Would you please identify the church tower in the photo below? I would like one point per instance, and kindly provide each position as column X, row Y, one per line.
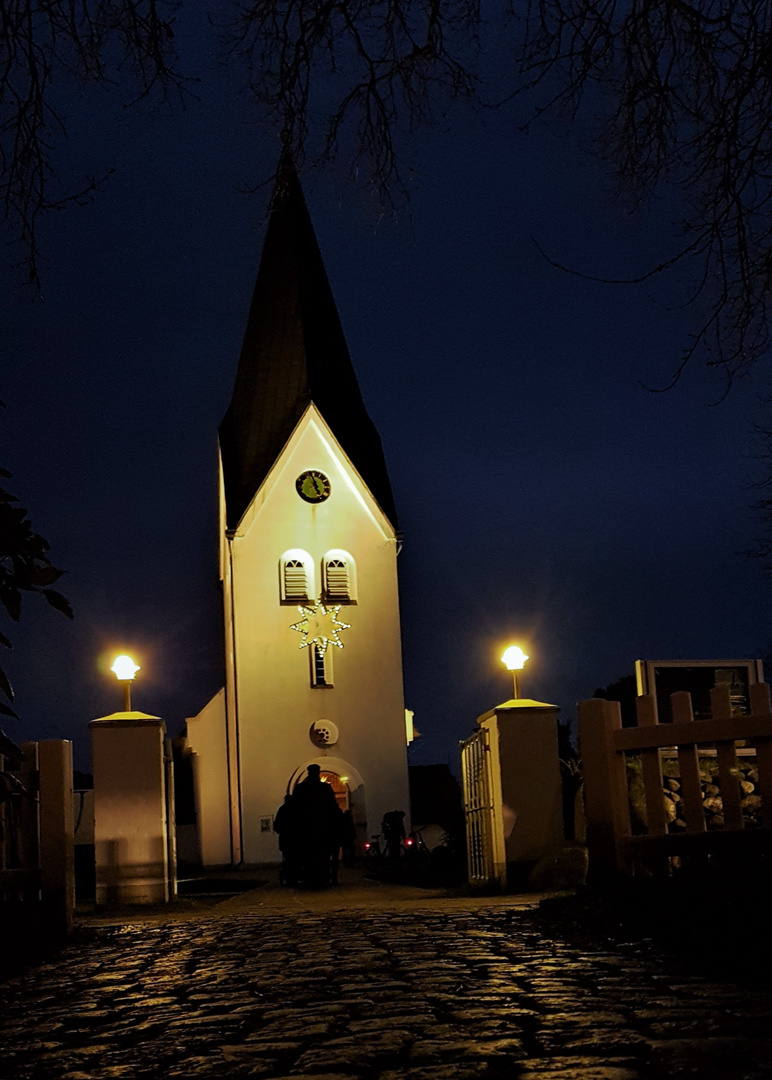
column 308, row 562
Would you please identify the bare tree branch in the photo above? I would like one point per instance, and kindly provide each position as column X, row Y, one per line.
column 691, row 88
column 356, row 70
column 88, row 39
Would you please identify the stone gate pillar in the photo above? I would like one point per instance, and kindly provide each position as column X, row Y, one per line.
column 526, row 783
column 133, row 810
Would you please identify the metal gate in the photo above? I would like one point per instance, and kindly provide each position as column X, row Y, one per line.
column 478, row 807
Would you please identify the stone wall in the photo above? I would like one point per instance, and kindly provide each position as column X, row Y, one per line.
column 711, row 793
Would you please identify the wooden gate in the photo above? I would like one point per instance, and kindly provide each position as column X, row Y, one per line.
column 478, row 807
column 604, row 745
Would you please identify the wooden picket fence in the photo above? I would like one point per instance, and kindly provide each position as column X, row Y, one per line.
column 604, row 745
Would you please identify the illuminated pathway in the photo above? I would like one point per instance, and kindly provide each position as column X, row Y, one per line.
column 432, row 993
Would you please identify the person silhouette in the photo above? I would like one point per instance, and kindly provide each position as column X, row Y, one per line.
column 318, row 820
column 285, row 825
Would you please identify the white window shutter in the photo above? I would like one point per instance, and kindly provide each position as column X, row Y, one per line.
column 337, row 584
column 295, row 580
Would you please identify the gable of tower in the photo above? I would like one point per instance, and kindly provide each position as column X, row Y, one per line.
column 294, row 353
column 313, row 446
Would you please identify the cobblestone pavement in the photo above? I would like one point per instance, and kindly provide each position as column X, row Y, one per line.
column 426, row 994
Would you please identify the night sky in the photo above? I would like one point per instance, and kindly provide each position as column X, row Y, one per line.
column 546, row 496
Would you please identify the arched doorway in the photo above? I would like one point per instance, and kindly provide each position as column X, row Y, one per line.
column 348, row 782
column 339, row 786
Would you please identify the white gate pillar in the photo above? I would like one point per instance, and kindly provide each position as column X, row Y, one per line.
column 133, row 811
column 526, row 784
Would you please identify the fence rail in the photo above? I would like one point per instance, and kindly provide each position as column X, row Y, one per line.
column 605, row 745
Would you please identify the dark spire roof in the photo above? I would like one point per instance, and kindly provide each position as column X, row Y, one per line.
column 294, row 352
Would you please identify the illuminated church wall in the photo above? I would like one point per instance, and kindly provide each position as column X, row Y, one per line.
column 276, row 703
column 289, row 497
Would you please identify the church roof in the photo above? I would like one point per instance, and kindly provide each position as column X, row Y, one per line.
column 294, row 353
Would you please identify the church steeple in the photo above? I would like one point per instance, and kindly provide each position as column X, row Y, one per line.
column 294, row 353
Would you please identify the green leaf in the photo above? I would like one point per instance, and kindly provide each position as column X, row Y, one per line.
column 56, row 600
column 45, row 575
column 5, row 685
column 10, row 598
column 9, row 749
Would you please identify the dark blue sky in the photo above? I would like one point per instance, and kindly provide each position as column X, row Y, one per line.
column 545, row 495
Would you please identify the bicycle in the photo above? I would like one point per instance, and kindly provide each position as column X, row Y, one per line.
column 373, row 849
column 415, row 846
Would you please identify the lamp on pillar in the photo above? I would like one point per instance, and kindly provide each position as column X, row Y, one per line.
column 125, row 669
column 134, row 850
column 514, row 659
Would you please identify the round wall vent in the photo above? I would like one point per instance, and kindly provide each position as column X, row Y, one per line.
column 324, row 733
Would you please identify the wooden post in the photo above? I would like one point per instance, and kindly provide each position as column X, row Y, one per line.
column 57, row 833
column 726, row 753
column 605, row 787
column 646, row 707
column 28, row 824
column 689, row 766
column 760, row 706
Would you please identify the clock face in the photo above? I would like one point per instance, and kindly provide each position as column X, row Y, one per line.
column 313, row 486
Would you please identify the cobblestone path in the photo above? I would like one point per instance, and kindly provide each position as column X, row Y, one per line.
column 423, row 995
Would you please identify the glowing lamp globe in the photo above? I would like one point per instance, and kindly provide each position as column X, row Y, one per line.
column 514, row 658
column 125, row 669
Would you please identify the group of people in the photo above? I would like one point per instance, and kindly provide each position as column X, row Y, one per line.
column 312, row 830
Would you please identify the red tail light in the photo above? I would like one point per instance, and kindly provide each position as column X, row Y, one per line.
column 408, row 843
column 367, row 847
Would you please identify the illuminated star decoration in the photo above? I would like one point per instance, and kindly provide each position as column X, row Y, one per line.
column 320, row 626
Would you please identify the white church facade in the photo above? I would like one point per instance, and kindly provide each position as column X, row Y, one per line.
column 308, row 563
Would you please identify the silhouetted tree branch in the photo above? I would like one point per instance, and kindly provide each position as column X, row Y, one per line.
column 691, row 90
column 687, row 86
column 356, row 71
column 45, row 40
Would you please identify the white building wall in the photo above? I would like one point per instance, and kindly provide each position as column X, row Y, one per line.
column 275, row 702
column 207, row 739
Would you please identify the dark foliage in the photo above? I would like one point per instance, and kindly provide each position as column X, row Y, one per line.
column 624, row 691
column 24, row 568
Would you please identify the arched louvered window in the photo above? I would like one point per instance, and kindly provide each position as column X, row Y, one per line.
column 295, row 580
column 337, row 580
column 297, row 585
column 339, row 576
